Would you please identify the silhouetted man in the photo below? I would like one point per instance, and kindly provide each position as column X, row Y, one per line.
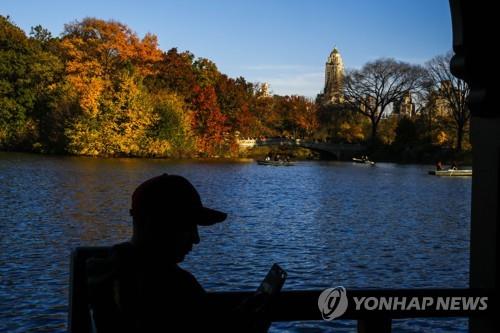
column 140, row 288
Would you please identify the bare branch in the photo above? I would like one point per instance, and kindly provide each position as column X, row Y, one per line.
column 450, row 89
column 380, row 83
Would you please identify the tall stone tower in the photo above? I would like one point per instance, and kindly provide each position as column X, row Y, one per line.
column 334, row 79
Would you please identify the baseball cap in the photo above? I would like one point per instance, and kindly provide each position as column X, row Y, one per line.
column 175, row 197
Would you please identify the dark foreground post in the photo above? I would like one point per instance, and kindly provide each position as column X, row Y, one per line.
column 375, row 325
column 473, row 62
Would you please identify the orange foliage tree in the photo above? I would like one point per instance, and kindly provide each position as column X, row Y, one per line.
column 174, row 73
column 103, row 60
column 208, row 122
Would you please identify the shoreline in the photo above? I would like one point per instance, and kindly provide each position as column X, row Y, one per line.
column 250, row 158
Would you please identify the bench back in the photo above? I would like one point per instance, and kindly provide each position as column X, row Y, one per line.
column 78, row 313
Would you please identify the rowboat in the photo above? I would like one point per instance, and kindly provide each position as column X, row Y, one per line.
column 451, row 173
column 274, row 163
column 363, row 161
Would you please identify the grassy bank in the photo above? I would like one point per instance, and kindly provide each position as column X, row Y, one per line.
column 419, row 155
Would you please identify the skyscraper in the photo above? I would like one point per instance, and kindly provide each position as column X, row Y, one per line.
column 334, row 80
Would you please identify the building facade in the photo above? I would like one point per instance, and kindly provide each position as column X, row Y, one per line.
column 334, row 80
column 263, row 91
column 405, row 107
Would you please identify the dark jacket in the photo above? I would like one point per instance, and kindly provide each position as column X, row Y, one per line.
column 127, row 294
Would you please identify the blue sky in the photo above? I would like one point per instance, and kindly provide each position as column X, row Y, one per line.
column 282, row 42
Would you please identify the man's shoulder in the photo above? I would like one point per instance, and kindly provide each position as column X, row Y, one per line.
column 188, row 280
column 182, row 273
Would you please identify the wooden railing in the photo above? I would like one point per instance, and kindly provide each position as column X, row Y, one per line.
column 298, row 305
column 303, row 305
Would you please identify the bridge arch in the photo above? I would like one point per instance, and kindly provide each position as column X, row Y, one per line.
column 336, row 150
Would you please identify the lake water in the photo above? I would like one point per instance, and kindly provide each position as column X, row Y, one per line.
column 326, row 223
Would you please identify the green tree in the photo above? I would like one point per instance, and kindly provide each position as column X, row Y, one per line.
column 174, row 124
column 48, row 71
column 17, row 96
column 206, row 72
column 28, row 74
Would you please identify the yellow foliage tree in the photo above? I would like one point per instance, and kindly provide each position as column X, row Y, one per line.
column 351, row 133
column 105, row 64
column 442, row 138
column 120, row 128
column 174, row 124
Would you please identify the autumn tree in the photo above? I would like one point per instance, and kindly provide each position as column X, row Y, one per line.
column 105, row 65
column 108, row 47
column 206, row 72
column 265, row 117
column 339, row 123
column 208, row 123
column 174, row 73
column 350, row 132
column 452, row 92
column 235, row 97
column 295, row 116
column 173, row 128
column 98, row 52
column 304, row 116
column 121, row 126
column 373, row 88
column 100, row 89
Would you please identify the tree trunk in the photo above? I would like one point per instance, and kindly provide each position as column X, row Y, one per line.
column 460, row 136
column 373, row 138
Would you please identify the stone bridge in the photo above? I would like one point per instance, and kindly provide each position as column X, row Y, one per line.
column 338, row 150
